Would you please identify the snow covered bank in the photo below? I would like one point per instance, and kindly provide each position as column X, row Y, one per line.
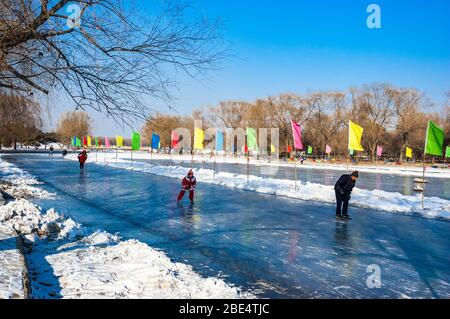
column 390, row 169
column 12, row 266
column 374, row 199
column 67, row 260
column 19, row 183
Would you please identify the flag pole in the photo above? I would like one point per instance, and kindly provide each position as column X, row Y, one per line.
column 214, row 169
column 295, row 172
column 423, row 180
column 117, row 153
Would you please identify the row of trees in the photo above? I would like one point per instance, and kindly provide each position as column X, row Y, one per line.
column 393, row 118
column 21, row 123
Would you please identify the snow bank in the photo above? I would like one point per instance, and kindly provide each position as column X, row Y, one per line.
column 19, row 183
column 390, row 169
column 67, row 260
column 12, row 270
column 374, row 199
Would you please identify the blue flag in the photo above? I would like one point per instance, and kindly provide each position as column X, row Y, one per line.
column 74, row 141
column 219, row 141
column 156, row 141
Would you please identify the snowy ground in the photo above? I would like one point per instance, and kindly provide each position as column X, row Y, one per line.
column 391, row 169
column 375, row 199
column 67, row 260
column 12, row 269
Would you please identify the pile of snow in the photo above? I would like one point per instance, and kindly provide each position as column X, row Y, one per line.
column 390, row 169
column 435, row 207
column 67, row 260
column 19, row 183
column 13, row 269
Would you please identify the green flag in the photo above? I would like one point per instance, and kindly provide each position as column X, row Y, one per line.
column 136, row 141
column 310, row 150
column 447, row 152
column 434, row 144
column 251, row 139
column 96, row 141
column 78, row 142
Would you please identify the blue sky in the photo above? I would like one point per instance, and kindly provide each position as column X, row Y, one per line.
column 301, row 46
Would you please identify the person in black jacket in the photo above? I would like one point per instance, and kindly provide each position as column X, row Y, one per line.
column 343, row 189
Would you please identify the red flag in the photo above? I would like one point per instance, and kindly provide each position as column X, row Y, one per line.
column 175, row 139
column 246, row 148
column 85, row 141
column 289, row 149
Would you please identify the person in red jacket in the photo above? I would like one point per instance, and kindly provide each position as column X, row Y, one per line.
column 82, row 157
column 188, row 184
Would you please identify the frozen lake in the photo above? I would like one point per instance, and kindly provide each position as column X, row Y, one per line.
column 277, row 247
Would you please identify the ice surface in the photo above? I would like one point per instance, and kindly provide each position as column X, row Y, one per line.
column 374, row 199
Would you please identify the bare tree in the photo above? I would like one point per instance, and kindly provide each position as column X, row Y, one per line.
column 73, row 124
column 102, row 53
column 374, row 108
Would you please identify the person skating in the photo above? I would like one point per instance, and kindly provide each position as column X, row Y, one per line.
column 343, row 190
column 51, row 151
column 188, row 184
column 64, row 153
column 82, row 157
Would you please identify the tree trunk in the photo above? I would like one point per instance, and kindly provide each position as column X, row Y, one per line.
column 402, row 152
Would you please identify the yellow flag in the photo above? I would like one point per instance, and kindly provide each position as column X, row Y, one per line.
column 409, row 152
column 89, row 141
column 354, row 137
column 119, row 141
column 199, row 136
column 272, row 148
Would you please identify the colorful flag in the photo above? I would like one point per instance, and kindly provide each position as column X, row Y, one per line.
column 74, row 141
column 434, row 143
column 107, row 142
column 409, row 152
column 219, row 141
column 355, row 133
column 136, row 141
column 199, row 136
column 447, row 152
column 89, row 141
column 78, row 142
column 119, row 141
column 96, row 142
column 85, row 141
column 251, row 138
column 297, row 133
column 379, row 151
column 351, row 152
column 289, row 149
column 272, row 149
column 175, row 139
column 328, row 149
column 99, row 142
column 155, row 141
column 310, row 150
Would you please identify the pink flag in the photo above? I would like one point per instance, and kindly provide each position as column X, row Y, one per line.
column 107, row 142
column 379, row 151
column 328, row 149
column 297, row 133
